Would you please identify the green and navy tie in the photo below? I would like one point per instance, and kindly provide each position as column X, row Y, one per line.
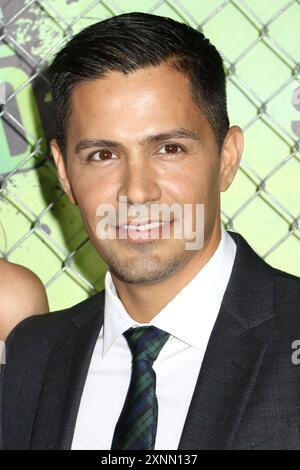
column 137, row 424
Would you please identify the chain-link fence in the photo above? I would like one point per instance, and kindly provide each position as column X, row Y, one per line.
column 260, row 43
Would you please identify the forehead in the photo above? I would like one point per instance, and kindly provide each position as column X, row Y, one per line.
column 153, row 96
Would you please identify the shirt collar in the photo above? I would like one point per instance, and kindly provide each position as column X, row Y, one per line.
column 202, row 295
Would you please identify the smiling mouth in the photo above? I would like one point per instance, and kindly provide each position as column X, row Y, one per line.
column 142, row 232
column 142, row 227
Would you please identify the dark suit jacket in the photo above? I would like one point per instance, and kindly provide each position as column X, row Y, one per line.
column 248, row 391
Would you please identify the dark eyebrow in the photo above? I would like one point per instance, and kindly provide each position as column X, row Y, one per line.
column 179, row 133
column 92, row 143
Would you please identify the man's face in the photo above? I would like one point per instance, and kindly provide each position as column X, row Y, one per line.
column 141, row 154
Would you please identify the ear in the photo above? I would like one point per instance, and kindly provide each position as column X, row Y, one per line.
column 230, row 156
column 62, row 172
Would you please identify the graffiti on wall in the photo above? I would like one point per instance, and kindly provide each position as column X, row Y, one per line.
column 25, row 102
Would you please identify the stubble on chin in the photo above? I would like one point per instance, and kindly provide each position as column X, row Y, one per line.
column 143, row 267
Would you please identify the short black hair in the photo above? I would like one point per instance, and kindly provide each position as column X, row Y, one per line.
column 131, row 41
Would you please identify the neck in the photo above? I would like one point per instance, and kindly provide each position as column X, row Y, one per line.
column 144, row 301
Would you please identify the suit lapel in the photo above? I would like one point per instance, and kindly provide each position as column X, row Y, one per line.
column 229, row 370
column 88, row 335
column 234, row 354
column 63, row 383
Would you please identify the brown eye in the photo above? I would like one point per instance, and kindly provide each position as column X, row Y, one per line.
column 103, row 155
column 171, row 149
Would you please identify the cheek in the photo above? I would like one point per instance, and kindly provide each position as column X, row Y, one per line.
column 91, row 187
column 197, row 183
column 90, row 191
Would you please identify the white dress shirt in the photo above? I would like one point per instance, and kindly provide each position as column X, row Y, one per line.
column 189, row 318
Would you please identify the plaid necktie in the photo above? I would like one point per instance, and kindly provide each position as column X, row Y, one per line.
column 137, row 424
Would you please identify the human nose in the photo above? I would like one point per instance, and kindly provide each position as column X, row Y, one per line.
column 139, row 183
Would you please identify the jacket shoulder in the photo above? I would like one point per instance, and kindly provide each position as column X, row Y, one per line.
column 287, row 281
column 287, row 291
column 285, row 276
